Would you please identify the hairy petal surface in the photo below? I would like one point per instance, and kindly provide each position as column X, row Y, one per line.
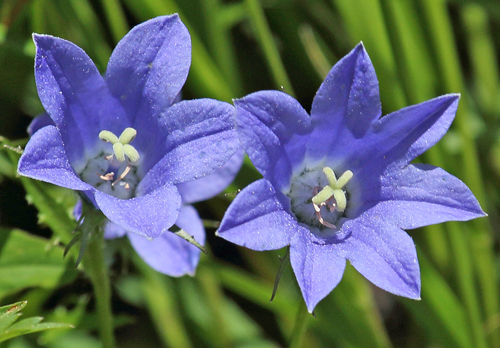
column 201, row 139
column 213, row 184
column 383, row 254
column 44, row 159
column 345, row 104
column 273, row 128
column 257, row 220
column 148, row 215
column 168, row 253
column 74, row 94
column 318, row 266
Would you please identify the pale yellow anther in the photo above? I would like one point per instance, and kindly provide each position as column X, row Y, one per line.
column 340, row 198
column 121, row 146
column 333, row 189
column 344, row 179
column 325, row 194
column 330, row 175
column 121, row 151
column 131, row 153
column 127, row 135
column 108, row 136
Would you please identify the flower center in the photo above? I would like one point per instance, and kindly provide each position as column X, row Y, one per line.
column 318, row 198
column 115, row 173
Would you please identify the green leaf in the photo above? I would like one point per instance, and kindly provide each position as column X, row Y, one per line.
column 9, row 329
column 439, row 313
column 28, row 261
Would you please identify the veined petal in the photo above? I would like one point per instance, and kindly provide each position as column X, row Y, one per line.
column 273, row 128
column 148, row 69
column 318, row 266
column 74, row 94
column 168, row 253
column 420, row 195
column 257, row 220
column 149, row 215
column 44, row 158
column 345, row 104
column 200, row 140
column 212, row 184
column 383, row 254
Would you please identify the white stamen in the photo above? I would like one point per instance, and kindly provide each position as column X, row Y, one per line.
column 122, row 175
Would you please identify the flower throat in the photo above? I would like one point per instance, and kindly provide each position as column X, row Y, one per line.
column 318, row 198
column 115, row 173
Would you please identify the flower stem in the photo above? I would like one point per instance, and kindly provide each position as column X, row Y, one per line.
column 299, row 328
column 97, row 271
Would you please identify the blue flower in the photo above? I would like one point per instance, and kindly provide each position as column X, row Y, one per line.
column 120, row 140
column 168, row 253
column 338, row 184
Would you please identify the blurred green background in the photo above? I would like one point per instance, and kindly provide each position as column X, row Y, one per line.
column 420, row 49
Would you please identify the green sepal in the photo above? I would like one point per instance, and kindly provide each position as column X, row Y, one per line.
column 89, row 224
column 190, row 239
column 283, row 263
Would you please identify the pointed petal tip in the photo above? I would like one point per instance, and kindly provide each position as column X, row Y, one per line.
column 360, row 46
column 451, row 96
column 416, row 296
column 41, row 39
column 360, row 49
column 37, row 36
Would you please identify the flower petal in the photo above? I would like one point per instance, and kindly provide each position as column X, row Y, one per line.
column 383, row 254
column 200, row 140
column 44, row 158
column 39, row 122
column 345, row 104
column 112, row 230
column 148, row 69
column 74, row 94
column 420, row 195
column 212, row 184
column 168, row 253
column 149, row 215
column 409, row 132
column 270, row 125
column 399, row 137
column 257, row 220
column 318, row 266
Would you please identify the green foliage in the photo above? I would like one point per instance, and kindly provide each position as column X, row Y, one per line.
column 30, row 261
column 10, row 327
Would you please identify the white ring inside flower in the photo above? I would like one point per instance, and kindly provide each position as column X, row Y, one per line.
column 318, row 198
column 115, row 173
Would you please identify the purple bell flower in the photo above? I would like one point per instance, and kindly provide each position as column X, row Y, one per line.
column 122, row 142
column 338, row 184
